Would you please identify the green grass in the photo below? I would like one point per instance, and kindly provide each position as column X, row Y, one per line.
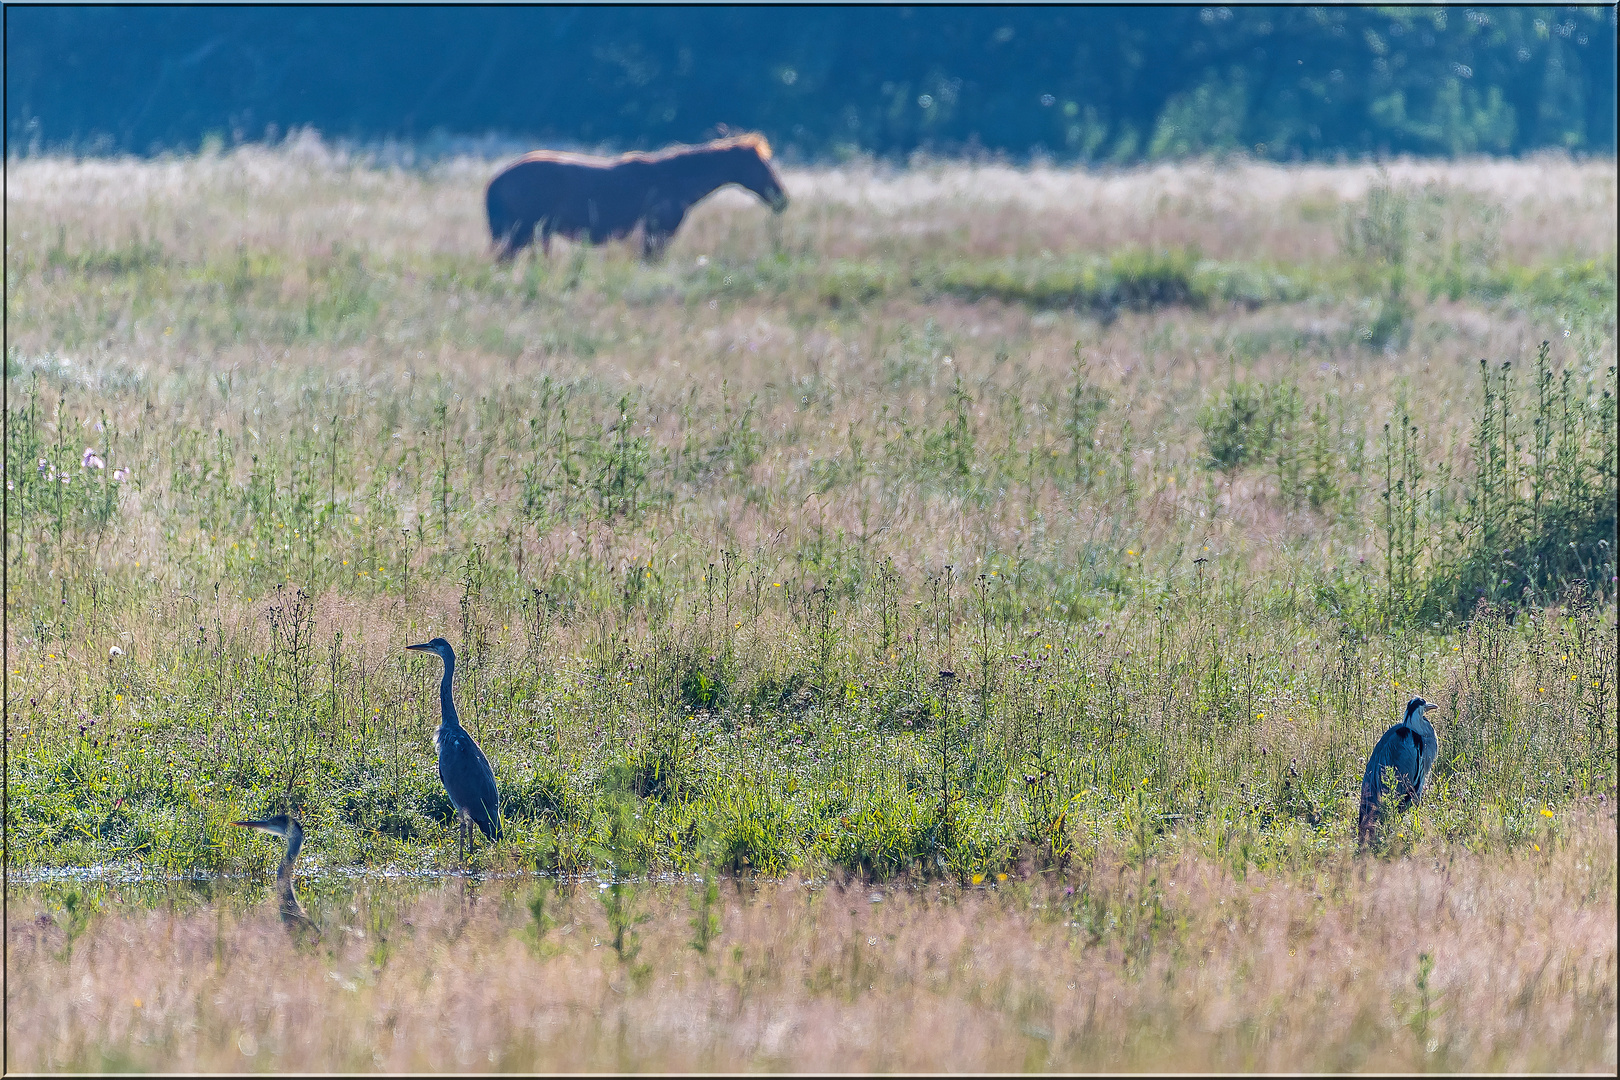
column 705, row 535
column 346, row 295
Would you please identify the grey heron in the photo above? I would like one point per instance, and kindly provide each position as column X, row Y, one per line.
column 286, row 826
column 463, row 768
column 1410, row 748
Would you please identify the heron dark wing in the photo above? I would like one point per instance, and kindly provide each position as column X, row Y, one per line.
column 1408, row 758
column 1402, row 749
column 1383, row 755
column 470, row 782
column 1428, row 749
column 1389, row 751
column 489, row 819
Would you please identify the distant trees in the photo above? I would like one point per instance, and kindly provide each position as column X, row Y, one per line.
column 1094, row 84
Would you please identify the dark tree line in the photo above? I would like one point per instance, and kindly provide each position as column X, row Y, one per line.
column 1093, row 84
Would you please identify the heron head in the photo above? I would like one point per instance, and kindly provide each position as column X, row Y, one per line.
column 437, row 645
column 1417, row 708
column 280, row 825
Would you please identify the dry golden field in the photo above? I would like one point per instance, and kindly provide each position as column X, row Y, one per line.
column 1443, row 961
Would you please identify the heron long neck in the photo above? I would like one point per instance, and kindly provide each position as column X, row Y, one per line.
column 1420, row 724
column 447, row 707
column 295, row 844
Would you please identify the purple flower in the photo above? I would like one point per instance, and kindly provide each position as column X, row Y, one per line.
column 92, row 460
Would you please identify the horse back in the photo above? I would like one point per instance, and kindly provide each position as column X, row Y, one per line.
column 570, row 196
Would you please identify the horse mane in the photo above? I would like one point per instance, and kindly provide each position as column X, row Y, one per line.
column 752, row 139
column 760, row 143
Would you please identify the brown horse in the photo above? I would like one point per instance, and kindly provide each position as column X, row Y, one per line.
column 577, row 195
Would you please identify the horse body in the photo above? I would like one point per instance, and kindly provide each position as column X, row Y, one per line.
column 576, row 195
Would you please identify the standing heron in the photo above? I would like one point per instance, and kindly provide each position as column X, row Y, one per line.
column 1410, row 748
column 463, row 768
column 284, row 825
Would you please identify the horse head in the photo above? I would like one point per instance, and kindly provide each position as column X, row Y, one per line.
column 752, row 154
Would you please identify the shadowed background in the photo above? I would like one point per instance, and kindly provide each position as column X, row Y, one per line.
column 1120, row 84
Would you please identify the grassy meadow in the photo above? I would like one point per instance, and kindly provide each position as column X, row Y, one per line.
column 1188, row 476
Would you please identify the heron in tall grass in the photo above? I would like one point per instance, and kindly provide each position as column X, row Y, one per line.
column 287, row 827
column 463, row 768
column 1409, row 748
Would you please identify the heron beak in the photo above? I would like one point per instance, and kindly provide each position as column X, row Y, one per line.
column 261, row 826
column 421, row 648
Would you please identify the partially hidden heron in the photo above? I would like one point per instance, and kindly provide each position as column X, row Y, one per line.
column 286, row 826
column 463, row 768
column 1410, row 748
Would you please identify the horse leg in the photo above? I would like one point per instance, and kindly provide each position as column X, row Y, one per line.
column 512, row 240
column 653, row 244
column 658, row 229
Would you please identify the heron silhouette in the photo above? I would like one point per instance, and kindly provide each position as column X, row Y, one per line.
column 463, row 768
column 287, row 827
column 1410, row 748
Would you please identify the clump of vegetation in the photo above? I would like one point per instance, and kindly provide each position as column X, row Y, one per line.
column 1133, row 280
column 1533, row 519
column 1246, row 422
column 1377, row 238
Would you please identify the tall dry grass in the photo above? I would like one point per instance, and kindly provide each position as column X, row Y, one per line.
column 309, row 193
column 1448, row 960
